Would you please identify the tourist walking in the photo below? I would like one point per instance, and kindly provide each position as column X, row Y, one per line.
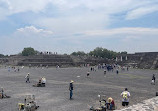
column 71, row 89
column 9, row 69
column 2, row 92
column 27, row 78
column 125, row 97
column 153, row 79
column 88, row 73
column 117, row 71
column 127, row 68
column 18, row 69
column 104, row 72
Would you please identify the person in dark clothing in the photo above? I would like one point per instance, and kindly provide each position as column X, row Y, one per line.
column 91, row 68
column 153, row 79
column 104, row 72
column 27, row 78
column 71, row 89
column 88, row 73
column 2, row 92
column 127, row 68
column 18, row 69
column 117, row 71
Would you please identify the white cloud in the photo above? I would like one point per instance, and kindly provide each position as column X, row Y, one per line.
column 33, row 31
column 128, row 30
column 74, row 24
column 60, row 20
column 9, row 7
column 125, row 34
column 79, row 15
column 28, row 36
column 120, row 39
column 131, row 38
column 17, row 6
column 139, row 12
column 106, row 6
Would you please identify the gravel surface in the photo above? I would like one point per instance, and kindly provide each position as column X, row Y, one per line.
column 55, row 96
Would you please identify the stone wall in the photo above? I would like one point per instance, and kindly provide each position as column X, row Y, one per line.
column 147, row 60
column 11, row 60
column 52, row 60
column 44, row 60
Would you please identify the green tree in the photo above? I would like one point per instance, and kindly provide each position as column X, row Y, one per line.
column 102, row 52
column 81, row 53
column 28, row 51
column 1, row 55
column 124, row 52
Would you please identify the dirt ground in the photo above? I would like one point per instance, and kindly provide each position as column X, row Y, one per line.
column 55, row 96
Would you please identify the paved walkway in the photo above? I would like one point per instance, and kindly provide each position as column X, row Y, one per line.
column 147, row 105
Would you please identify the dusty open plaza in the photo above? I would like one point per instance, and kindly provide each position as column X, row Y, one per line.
column 55, row 96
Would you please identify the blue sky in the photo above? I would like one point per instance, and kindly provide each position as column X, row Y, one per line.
column 65, row 26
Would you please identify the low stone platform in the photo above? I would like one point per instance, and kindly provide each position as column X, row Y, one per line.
column 146, row 105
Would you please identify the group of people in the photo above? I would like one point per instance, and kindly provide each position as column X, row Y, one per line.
column 110, row 104
column 41, row 82
column 107, row 68
column 93, row 69
column 13, row 68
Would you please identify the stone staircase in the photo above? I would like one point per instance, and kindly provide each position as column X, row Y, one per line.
column 155, row 63
column 50, row 60
column 146, row 60
column 78, row 60
column 149, row 61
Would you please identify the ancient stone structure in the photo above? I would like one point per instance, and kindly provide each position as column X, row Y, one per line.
column 52, row 60
column 78, row 60
column 147, row 60
column 11, row 60
column 44, row 60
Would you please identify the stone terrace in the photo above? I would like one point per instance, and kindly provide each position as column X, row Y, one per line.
column 146, row 60
column 50, row 60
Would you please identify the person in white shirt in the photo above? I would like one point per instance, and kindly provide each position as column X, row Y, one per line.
column 27, row 78
column 43, row 80
column 125, row 97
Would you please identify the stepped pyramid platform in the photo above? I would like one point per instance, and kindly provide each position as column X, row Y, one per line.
column 44, row 60
column 144, row 60
column 51, row 60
